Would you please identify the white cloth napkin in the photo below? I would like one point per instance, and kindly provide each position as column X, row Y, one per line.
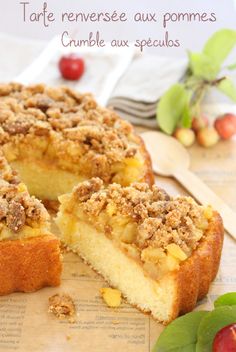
column 139, row 89
column 130, row 83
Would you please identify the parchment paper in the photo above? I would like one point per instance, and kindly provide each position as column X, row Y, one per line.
column 26, row 325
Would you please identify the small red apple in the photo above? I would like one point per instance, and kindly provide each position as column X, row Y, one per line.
column 226, row 125
column 207, row 137
column 71, row 67
column 231, row 117
column 199, row 122
column 185, row 136
column 225, row 339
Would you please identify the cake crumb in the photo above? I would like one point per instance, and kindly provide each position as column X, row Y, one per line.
column 62, row 306
column 111, row 296
column 72, row 320
column 64, row 248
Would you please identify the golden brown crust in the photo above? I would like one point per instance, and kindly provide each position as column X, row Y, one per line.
column 198, row 271
column 149, row 175
column 29, row 264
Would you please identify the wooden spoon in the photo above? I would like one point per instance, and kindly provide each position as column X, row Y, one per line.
column 170, row 158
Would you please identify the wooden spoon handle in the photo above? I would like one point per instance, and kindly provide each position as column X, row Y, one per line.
column 205, row 195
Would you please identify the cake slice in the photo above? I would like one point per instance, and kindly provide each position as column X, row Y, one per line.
column 56, row 137
column 162, row 253
column 29, row 253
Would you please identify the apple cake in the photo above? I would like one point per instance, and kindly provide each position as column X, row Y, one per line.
column 161, row 252
column 57, row 137
column 29, row 253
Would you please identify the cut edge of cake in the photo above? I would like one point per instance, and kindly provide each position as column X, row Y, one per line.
column 30, row 255
column 174, row 293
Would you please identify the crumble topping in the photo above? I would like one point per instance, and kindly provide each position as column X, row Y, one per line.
column 159, row 219
column 17, row 207
column 75, row 127
column 62, row 306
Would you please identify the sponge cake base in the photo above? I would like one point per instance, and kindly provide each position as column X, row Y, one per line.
column 45, row 181
column 165, row 299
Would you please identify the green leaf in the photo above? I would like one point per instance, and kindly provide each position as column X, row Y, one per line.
column 228, row 299
column 220, row 44
column 211, row 324
column 203, row 66
column 171, row 107
column 228, row 88
column 186, row 118
column 231, row 67
column 181, row 334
